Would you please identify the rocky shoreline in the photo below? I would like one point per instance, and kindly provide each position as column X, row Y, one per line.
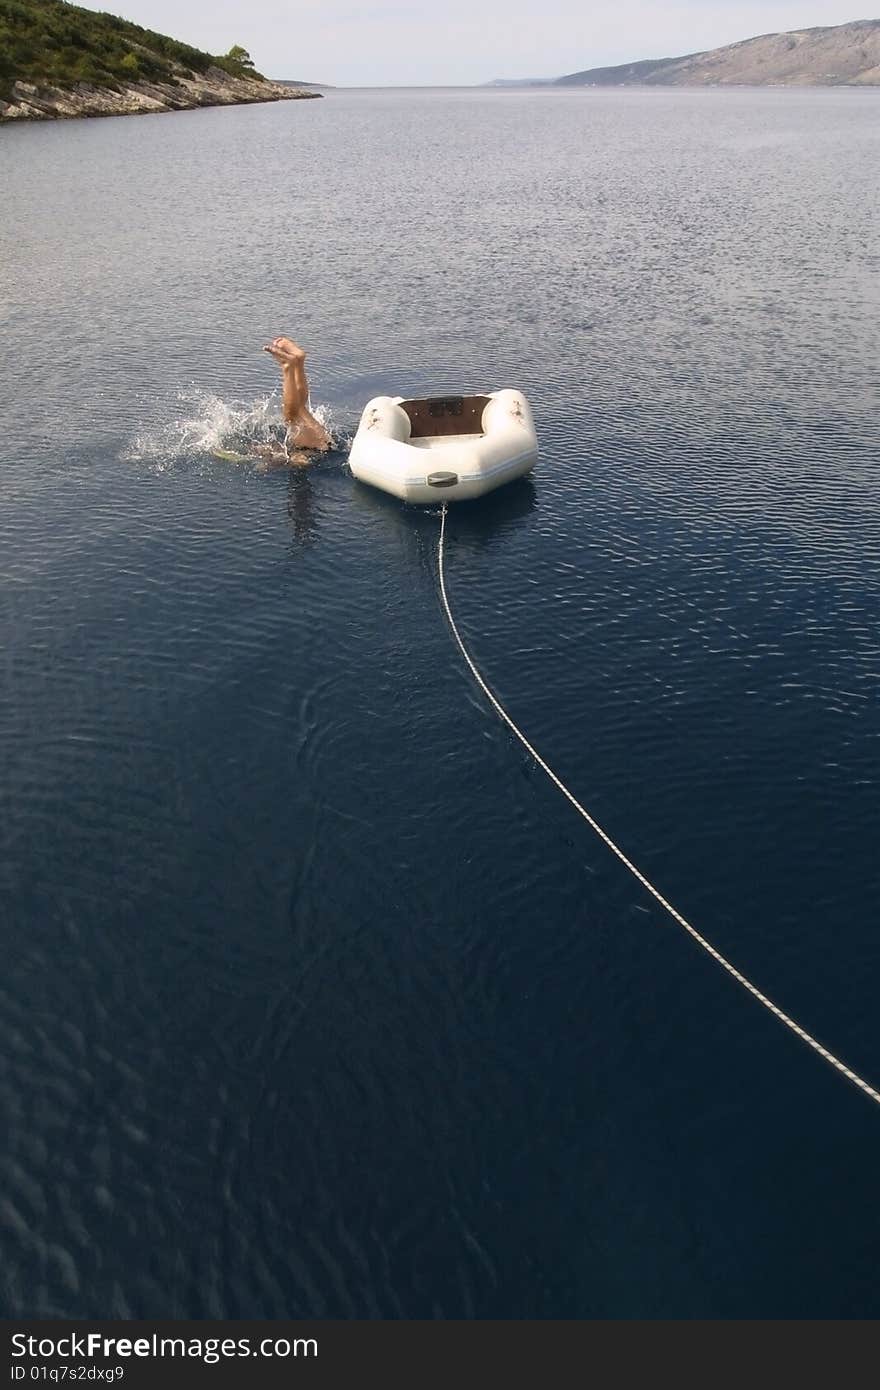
column 214, row 87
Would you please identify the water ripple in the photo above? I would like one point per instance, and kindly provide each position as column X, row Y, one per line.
column 316, row 1001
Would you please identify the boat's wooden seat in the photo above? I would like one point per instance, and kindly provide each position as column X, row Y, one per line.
column 445, row 415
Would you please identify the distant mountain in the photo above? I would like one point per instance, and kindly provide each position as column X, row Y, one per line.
column 311, row 86
column 625, row 75
column 840, row 55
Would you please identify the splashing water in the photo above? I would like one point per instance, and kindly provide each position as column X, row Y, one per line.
column 208, row 426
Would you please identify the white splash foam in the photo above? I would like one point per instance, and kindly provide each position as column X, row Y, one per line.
column 324, row 416
column 209, row 423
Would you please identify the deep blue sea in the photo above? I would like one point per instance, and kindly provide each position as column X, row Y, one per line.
column 317, row 999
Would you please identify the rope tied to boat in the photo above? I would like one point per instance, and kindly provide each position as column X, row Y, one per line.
column 603, row 835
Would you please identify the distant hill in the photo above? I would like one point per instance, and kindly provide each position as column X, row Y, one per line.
column 839, row 55
column 59, row 59
column 625, row 75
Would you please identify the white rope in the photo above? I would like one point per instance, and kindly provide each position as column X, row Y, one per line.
column 615, row 849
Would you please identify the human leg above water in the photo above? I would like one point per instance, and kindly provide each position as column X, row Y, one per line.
column 304, row 431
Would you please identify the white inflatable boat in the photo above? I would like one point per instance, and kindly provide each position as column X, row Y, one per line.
column 448, row 448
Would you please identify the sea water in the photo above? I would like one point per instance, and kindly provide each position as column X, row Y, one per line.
column 317, row 998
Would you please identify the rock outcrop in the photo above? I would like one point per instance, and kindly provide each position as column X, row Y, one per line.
column 214, row 87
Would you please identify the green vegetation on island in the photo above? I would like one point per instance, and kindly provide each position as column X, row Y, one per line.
column 52, row 43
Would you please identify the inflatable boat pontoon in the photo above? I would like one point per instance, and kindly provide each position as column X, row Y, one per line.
column 447, row 448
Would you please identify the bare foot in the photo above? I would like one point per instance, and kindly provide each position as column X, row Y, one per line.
column 285, row 351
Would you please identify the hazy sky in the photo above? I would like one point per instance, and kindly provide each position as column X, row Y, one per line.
column 466, row 41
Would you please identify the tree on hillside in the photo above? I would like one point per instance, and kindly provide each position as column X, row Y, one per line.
column 240, row 55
